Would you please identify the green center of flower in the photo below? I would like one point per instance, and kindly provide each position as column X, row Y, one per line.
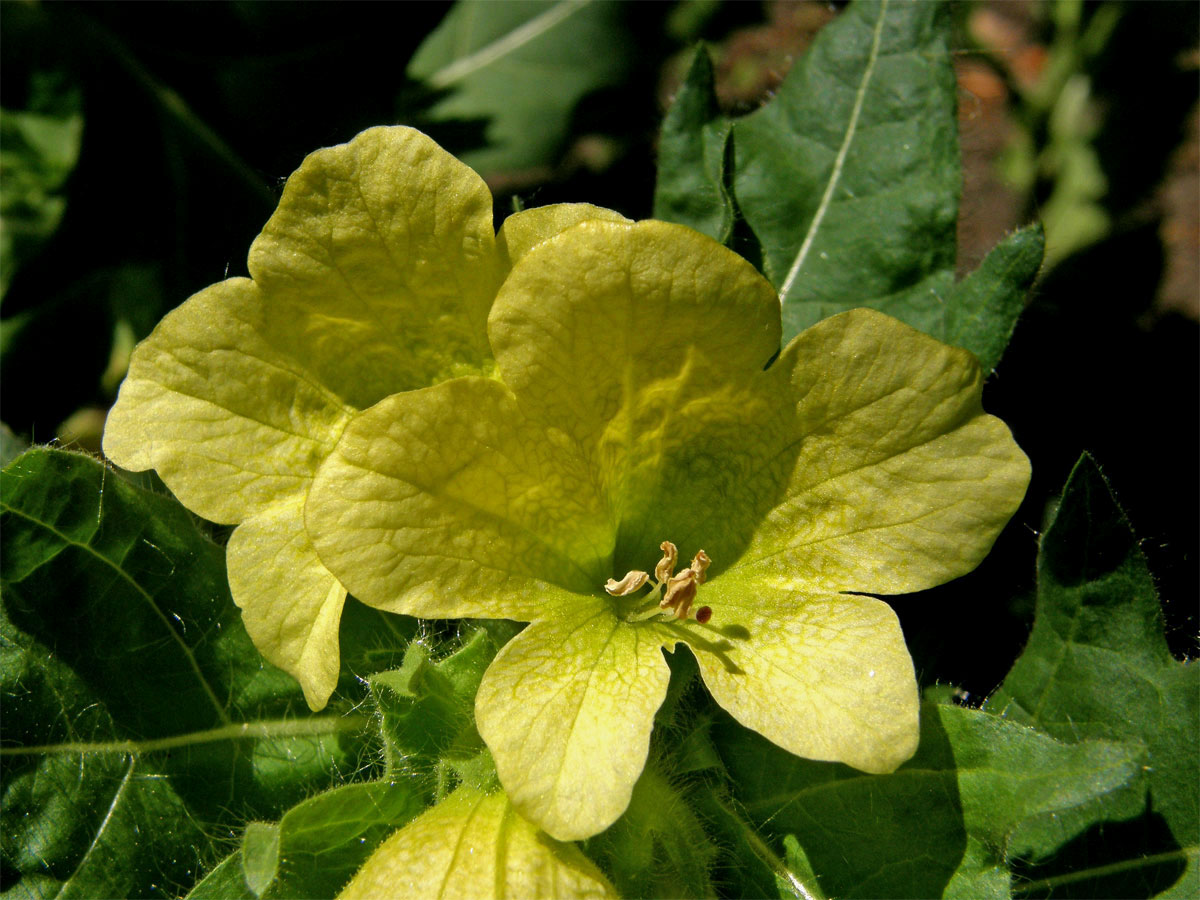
column 670, row 594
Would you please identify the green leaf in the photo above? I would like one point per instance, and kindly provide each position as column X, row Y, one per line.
column 982, row 310
column 316, row 847
column 849, row 180
column 658, row 848
column 226, row 882
column 1097, row 664
column 850, row 177
column 138, row 718
column 427, row 708
column 518, row 68
column 38, row 151
column 979, row 791
column 691, row 188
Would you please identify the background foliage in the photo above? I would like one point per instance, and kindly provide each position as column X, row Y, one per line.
column 147, row 750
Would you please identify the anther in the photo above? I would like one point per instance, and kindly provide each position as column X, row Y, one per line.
column 633, row 581
column 666, row 566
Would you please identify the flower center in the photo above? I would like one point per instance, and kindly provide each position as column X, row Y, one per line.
column 670, row 594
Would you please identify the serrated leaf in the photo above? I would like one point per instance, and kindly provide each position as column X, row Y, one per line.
column 427, row 710
column 1097, row 664
column 691, row 188
column 138, row 717
column 517, row 68
column 977, row 784
column 850, row 177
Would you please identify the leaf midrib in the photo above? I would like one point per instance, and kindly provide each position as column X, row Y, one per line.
column 192, row 662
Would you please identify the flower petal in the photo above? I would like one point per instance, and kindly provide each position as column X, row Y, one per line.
column 567, row 708
column 899, row 481
column 374, row 275
column 291, row 604
column 230, row 422
column 475, row 845
column 448, row 502
column 645, row 344
column 606, row 310
column 824, row 676
column 380, row 265
column 523, row 231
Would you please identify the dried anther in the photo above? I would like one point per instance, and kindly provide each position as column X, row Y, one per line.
column 678, row 591
column 633, row 581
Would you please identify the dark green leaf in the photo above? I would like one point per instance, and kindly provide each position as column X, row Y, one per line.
column 658, row 847
column 519, row 68
column 38, row 151
column 982, row 310
column 138, row 717
column 1097, row 664
column 427, row 711
column 979, row 791
column 691, row 187
column 226, row 882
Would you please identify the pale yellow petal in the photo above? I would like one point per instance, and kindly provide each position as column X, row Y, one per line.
column 449, row 502
column 899, row 481
column 566, row 709
column 291, row 604
column 475, row 847
column 605, row 311
column 523, row 231
column 381, row 265
column 229, row 421
column 826, row 677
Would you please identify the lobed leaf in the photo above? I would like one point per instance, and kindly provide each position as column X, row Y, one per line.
column 1097, row 664
column 981, row 789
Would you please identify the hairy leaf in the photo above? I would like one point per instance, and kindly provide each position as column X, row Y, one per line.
column 691, row 188
column 850, row 177
column 1097, row 666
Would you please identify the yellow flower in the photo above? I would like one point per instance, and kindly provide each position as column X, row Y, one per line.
column 374, row 275
column 636, row 420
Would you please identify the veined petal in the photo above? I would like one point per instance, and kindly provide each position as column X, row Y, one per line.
column 523, row 231
column 605, row 310
column 448, row 502
column 899, row 481
column 567, row 708
column 475, row 846
column 374, row 275
column 645, row 343
column 380, row 265
column 229, row 421
column 824, row 676
column 291, row 604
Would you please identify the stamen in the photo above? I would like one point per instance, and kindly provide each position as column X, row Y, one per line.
column 666, row 566
column 633, row 581
column 681, row 590
column 678, row 591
